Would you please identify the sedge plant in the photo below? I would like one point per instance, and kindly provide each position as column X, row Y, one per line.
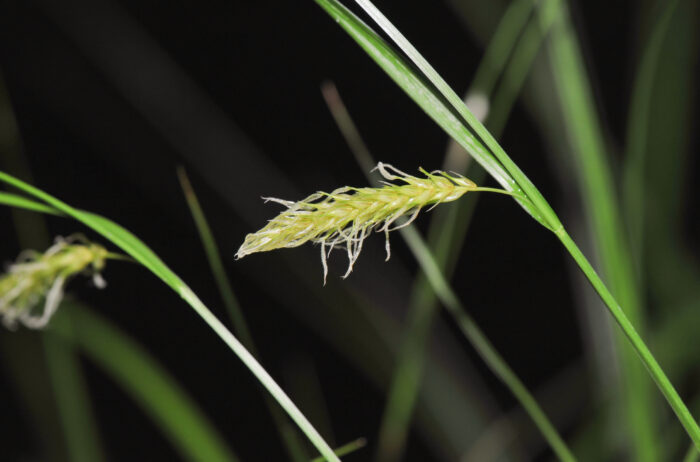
column 425, row 86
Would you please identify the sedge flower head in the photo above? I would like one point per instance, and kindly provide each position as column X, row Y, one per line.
column 346, row 216
column 32, row 288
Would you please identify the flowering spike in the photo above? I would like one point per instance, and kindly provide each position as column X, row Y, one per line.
column 37, row 278
column 346, row 216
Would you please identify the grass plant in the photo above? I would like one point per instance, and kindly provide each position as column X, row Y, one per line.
column 631, row 222
column 494, row 159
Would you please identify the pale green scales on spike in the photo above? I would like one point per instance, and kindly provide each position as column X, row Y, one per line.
column 346, row 216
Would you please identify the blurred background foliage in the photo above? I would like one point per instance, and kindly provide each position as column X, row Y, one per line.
column 596, row 102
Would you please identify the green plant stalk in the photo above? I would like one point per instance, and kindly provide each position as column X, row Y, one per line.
column 402, row 399
column 141, row 253
column 640, row 347
column 406, row 78
column 403, row 388
column 293, row 445
column 151, row 387
column 600, row 202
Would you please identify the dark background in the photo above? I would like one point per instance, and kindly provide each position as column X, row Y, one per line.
column 110, row 97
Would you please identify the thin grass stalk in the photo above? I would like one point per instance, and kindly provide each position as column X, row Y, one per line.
column 141, row 253
column 403, row 387
column 645, row 355
column 291, row 441
column 408, row 372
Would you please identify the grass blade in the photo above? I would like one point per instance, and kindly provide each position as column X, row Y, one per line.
column 155, row 391
column 141, row 253
column 640, row 347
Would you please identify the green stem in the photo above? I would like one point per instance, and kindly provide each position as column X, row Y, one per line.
column 500, row 191
column 638, row 344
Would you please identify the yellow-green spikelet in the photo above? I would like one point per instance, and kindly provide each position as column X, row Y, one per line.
column 344, row 217
column 37, row 277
